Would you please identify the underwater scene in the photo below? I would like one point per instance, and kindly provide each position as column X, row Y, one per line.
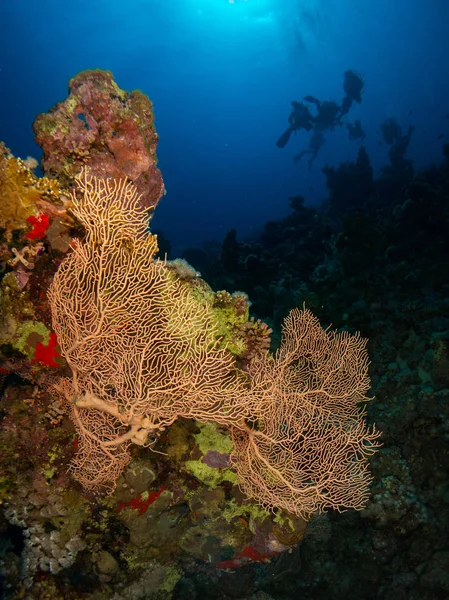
column 224, row 300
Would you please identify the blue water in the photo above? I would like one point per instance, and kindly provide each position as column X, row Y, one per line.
column 221, row 76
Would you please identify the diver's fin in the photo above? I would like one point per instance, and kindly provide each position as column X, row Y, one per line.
column 282, row 141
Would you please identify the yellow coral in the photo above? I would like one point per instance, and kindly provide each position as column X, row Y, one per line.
column 20, row 191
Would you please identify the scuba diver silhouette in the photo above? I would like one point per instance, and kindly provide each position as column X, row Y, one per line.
column 352, row 85
column 328, row 115
column 300, row 118
column 355, row 131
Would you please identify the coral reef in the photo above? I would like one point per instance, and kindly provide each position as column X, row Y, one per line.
column 172, row 509
column 103, row 126
column 178, row 525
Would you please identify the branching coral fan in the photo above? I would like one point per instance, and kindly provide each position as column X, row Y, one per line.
column 308, row 446
column 144, row 351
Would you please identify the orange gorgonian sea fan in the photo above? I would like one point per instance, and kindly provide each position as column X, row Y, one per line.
column 142, row 349
column 307, row 446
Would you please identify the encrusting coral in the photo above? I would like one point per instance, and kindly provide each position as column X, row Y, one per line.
column 102, row 126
